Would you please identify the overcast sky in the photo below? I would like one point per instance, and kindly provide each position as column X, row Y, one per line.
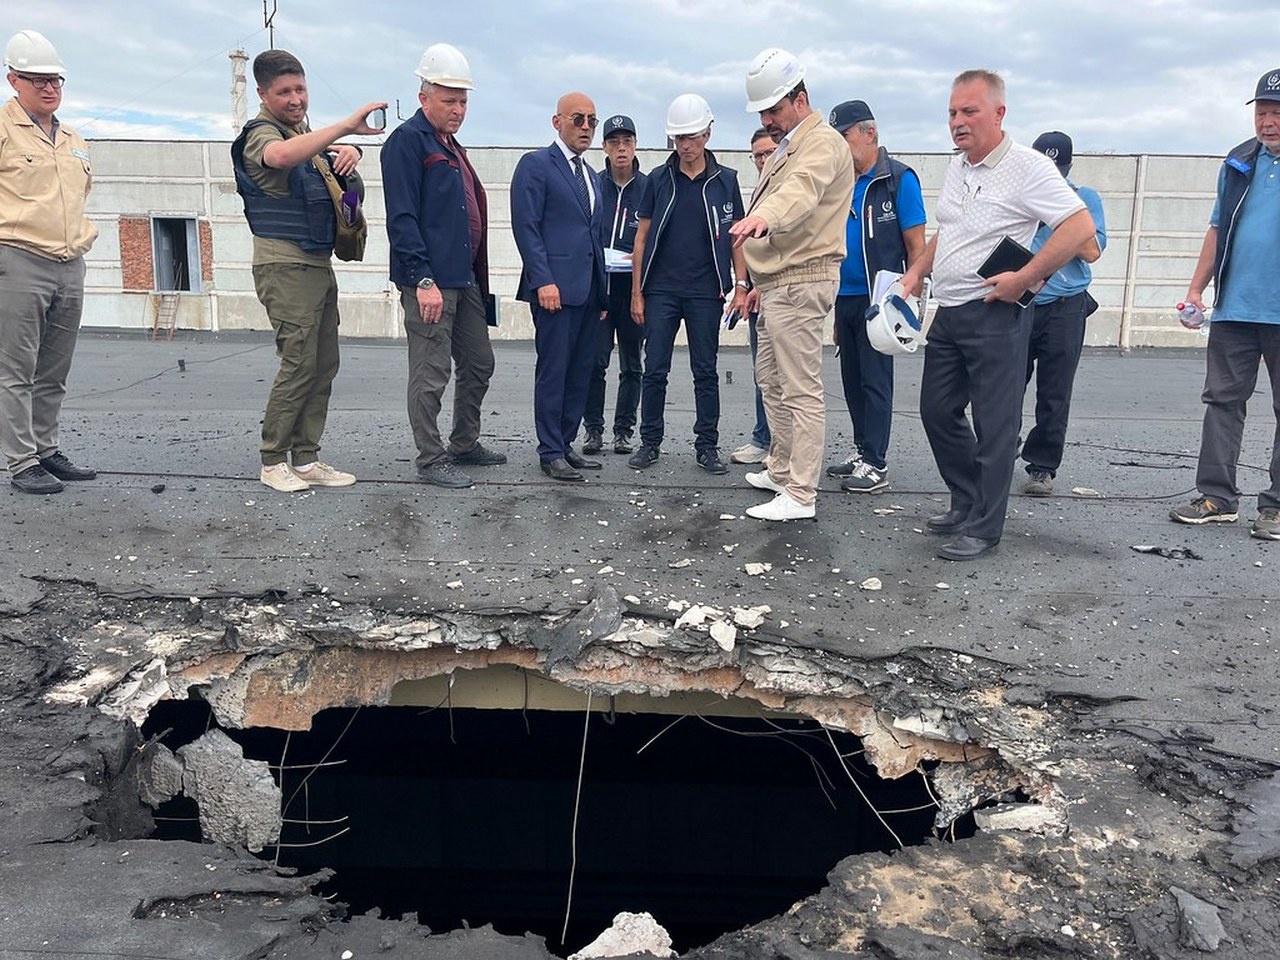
column 1124, row 76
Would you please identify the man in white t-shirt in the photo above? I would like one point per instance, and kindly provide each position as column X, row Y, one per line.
column 977, row 348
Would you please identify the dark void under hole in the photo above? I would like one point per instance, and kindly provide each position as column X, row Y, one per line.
column 466, row 815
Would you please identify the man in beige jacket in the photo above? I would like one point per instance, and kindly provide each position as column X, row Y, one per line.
column 794, row 239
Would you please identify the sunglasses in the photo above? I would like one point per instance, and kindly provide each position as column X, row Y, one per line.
column 41, row 82
column 588, row 120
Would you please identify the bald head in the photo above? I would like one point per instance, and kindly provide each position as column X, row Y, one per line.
column 575, row 121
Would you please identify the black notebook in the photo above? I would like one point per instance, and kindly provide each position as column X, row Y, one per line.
column 1008, row 256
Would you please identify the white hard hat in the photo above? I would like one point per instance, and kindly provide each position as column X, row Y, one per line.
column 30, row 52
column 894, row 326
column 688, row 114
column 772, row 75
column 444, row 64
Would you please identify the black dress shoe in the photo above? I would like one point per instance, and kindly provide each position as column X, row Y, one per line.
column 581, row 463
column 560, row 470
column 36, row 480
column 948, row 522
column 966, row 548
column 64, row 469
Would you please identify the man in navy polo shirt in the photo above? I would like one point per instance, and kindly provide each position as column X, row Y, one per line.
column 885, row 231
column 684, row 253
column 1240, row 255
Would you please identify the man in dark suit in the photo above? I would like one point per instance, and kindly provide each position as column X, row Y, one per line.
column 556, row 218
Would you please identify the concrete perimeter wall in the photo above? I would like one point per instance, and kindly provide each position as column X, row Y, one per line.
column 1157, row 209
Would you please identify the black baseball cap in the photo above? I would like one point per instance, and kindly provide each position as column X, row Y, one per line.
column 845, row 115
column 1268, row 86
column 1055, row 145
column 618, row 123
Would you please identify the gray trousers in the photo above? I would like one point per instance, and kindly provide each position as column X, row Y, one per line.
column 41, row 301
column 1231, row 375
column 460, row 338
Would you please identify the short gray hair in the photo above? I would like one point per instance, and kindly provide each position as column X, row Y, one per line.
column 867, row 126
column 993, row 80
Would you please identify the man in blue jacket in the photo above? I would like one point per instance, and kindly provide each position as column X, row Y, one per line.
column 436, row 221
column 622, row 185
column 556, row 216
column 684, row 253
column 1057, row 333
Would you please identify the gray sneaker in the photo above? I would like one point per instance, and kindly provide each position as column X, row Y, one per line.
column 846, row 467
column 1267, row 526
column 443, row 473
column 1039, row 484
column 866, row 479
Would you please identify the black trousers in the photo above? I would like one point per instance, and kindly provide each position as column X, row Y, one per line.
column 867, row 375
column 630, row 336
column 976, row 356
column 1057, row 339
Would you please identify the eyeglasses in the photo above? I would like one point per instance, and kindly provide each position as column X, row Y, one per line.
column 41, row 82
column 589, row 120
column 763, row 154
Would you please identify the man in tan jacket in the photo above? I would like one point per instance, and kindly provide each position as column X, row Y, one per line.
column 794, row 239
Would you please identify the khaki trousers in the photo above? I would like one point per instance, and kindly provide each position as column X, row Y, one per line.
column 302, row 304
column 789, row 371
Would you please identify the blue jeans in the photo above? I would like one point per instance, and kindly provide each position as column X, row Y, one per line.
column 662, row 316
column 760, row 436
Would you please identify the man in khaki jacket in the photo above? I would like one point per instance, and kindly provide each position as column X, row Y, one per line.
column 794, row 239
column 45, row 178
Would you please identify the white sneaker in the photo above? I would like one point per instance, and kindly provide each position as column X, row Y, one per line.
column 279, row 476
column 762, row 481
column 782, row 507
column 322, row 475
column 748, row 453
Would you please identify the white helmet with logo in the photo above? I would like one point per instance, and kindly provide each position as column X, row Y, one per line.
column 687, row 115
column 772, row 75
column 30, row 52
column 444, row 64
column 894, row 326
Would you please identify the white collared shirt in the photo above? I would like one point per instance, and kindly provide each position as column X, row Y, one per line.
column 1010, row 192
column 570, row 156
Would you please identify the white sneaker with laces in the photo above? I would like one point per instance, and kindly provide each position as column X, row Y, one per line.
column 748, row 453
column 279, row 476
column 762, row 481
column 782, row 507
column 320, row 474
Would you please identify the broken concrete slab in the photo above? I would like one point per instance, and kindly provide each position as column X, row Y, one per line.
column 1027, row 817
column 630, row 934
column 238, row 799
column 1199, row 925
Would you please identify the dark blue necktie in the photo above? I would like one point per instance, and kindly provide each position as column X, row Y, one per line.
column 583, row 195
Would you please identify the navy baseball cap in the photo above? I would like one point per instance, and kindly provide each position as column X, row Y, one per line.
column 1055, row 145
column 618, row 123
column 845, row 115
column 1268, row 86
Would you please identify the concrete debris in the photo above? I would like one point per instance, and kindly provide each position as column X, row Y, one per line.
column 695, row 616
column 755, row 569
column 724, row 634
column 1169, row 553
column 159, row 775
column 871, row 583
column 1026, row 817
column 238, row 799
column 1199, row 926
column 1257, row 823
column 1085, row 492
column 631, row 933
column 681, row 563
column 751, row 617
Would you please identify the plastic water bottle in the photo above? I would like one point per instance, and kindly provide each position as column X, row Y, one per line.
column 1192, row 317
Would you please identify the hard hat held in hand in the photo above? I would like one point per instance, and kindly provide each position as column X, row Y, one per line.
column 30, row 52
column 895, row 325
column 444, row 64
column 688, row 114
column 772, row 75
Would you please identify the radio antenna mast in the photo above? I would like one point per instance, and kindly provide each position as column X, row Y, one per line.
column 269, row 21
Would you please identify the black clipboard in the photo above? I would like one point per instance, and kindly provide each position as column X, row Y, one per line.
column 1009, row 256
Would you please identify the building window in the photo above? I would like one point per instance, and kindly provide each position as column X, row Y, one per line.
column 175, row 248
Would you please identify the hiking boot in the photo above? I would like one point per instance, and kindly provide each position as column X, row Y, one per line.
column 443, row 473
column 1267, row 526
column 480, row 456
column 643, row 458
column 709, row 460
column 866, row 479
column 64, row 469
column 320, row 474
column 1039, row 484
column 748, row 453
column 622, row 443
column 594, row 442
column 36, row 480
column 280, row 476
column 1202, row 510
column 846, row 467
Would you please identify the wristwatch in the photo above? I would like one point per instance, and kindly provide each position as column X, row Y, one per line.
column 426, row 283
column 745, row 284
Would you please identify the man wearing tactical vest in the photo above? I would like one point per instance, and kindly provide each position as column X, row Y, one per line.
column 278, row 166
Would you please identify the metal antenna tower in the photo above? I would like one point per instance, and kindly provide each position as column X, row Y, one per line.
column 239, row 105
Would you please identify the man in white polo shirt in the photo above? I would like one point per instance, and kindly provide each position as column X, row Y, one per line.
column 977, row 349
